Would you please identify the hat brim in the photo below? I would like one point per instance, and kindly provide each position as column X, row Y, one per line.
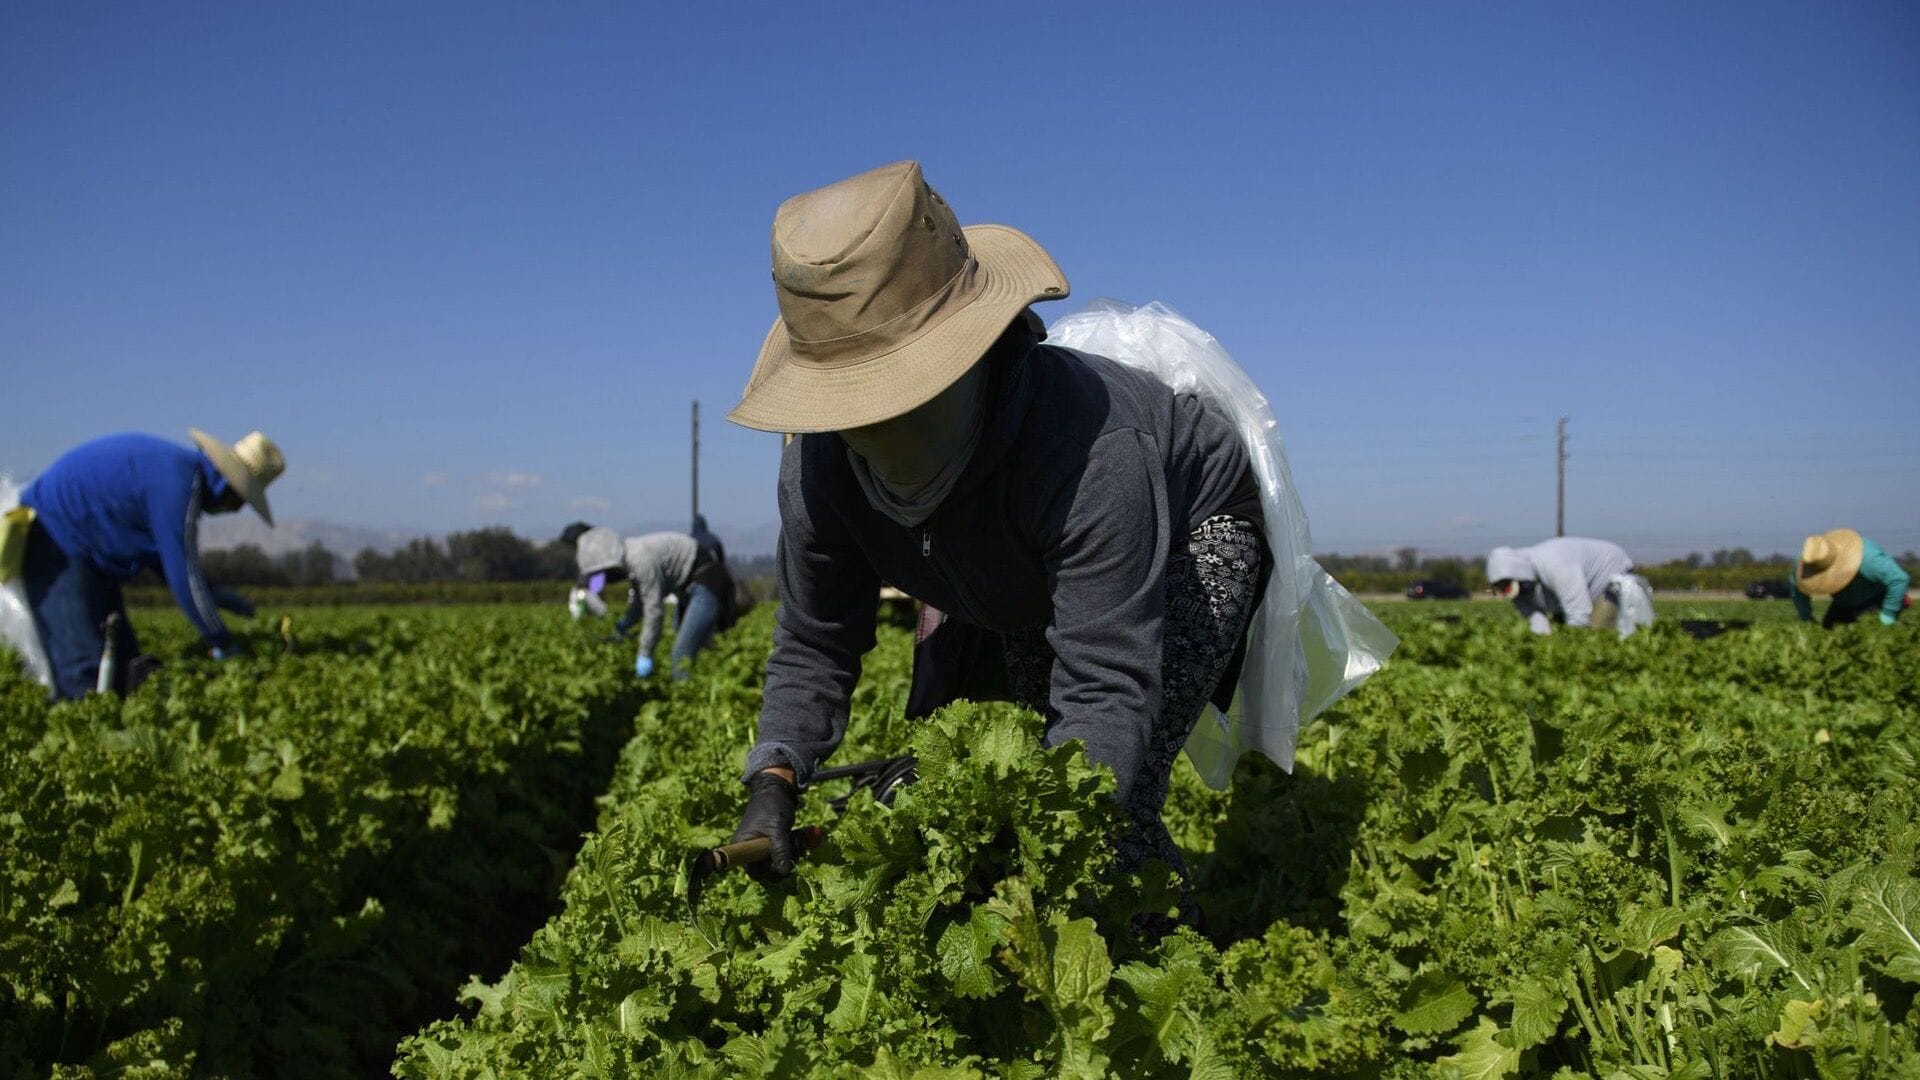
column 236, row 472
column 1847, row 553
column 787, row 396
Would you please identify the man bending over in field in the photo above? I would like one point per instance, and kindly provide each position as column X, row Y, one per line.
column 1572, row 580
column 655, row 566
column 117, row 505
column 1856, row 572
column 1105, row 527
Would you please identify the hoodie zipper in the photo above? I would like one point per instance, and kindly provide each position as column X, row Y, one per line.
column 966, row 606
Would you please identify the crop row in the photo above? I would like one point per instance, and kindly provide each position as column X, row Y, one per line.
column 281, row 864
column 1565, row 856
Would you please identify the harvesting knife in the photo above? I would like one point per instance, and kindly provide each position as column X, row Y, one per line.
column 710, row 861
column 883, row 779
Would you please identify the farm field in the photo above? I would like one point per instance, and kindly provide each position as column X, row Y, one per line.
column 1503, row 856
column 282, row 864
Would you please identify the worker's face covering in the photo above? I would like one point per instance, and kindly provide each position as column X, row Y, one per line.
column 908, row 465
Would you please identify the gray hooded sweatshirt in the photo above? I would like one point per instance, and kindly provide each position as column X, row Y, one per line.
column 1087, row 478
column 656, row 564
column 1574, row 569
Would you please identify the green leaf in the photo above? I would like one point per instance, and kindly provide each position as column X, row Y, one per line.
column 1002, row 745
column 1159, row 990
column 966, row 954
column 1753, row 951
column 1081, row 968
column 1433, row 1004
column 780, row 961
column 1667, row 961
column 290, row 784
column 641, row 1010
column 1481, row 1055
column 1799, row 1024
column 887, row 1067
column 1641, row 928
column 1709, row 820
column 1886, row 910
column 1209, row 1064
column 1537, row 1009
column 491, row 997
column 858, row 993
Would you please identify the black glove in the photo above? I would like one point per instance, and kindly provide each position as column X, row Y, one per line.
column 232, row 601
column 771, row 802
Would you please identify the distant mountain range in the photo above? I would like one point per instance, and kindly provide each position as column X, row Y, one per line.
column 223, row 531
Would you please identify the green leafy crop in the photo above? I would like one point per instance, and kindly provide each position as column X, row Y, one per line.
column 281, row 864
column 1504, row 856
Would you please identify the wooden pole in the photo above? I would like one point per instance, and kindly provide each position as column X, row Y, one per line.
column 695, row 484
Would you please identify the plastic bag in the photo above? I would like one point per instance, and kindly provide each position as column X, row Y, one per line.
column 1311, row 642
column 581, row 602
column 1635, row 602
column 17, row 627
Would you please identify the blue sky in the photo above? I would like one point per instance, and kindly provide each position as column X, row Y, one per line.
column 469, row 263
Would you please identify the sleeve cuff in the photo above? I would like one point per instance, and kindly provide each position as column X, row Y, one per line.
column 771, row 755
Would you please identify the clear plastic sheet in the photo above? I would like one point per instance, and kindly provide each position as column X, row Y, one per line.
column 17, row 628
column 1311, row 641
column 1636, row 604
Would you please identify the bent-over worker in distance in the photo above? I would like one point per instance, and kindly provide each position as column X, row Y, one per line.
column 1107, row 528
column 1574, row 580
column 110, row 508
column 1856, row 572
column 656, row 565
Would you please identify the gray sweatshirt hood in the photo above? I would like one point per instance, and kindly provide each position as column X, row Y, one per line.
column 1506, row 562
column 597, row 550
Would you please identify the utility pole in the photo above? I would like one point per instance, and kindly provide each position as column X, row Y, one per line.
column 1560, row 483
column 696, row 458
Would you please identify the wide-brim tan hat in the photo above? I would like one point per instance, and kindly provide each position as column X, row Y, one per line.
column 884, row 302
column 249, row 465
column 1828, row 562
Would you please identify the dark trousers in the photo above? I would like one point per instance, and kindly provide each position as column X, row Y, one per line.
column 71, row 601
column 1839, row 614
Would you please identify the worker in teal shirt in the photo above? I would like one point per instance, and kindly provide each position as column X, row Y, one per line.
column 112, row 507
column 1856, row 572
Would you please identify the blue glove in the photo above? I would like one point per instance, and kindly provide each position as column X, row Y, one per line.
column 225, row 652
column 1886, row 619
column 643, row 666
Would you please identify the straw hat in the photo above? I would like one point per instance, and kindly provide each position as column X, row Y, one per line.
column 249, row 465
column 1828, row 562
column 884, row 302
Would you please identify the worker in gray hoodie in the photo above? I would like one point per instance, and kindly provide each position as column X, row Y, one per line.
column 1106, row 528
column 655, row 566
column 1573, row 580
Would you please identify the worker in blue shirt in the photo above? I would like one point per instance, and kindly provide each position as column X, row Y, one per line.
column 117, row 505
column 1856, row 572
